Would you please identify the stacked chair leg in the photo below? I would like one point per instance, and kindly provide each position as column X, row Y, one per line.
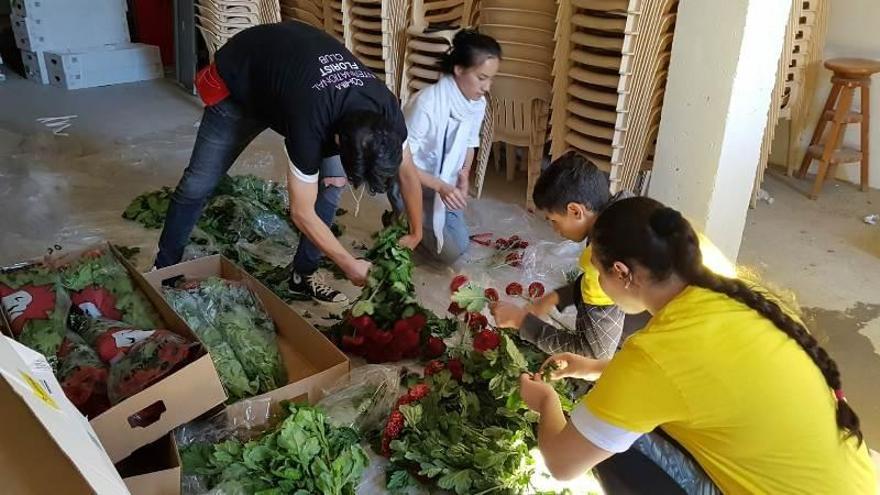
column 219, row 20
column 378, row 36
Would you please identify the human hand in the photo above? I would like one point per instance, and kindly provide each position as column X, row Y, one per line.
column 410, row 241
column 453, row 197
column 508, row 315
column 570, row 365
column 357, row 270
column 542, row 307
column 534, row 391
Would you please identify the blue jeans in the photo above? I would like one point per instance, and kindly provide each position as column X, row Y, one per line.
column 225, row 132
column 456, row 235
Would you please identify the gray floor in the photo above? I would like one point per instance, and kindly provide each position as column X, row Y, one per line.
column 133, row 138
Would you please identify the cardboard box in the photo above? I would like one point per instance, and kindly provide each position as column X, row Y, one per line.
column 48, row 446
column 174, row 400
column 153, row 469
column 104, row 66
column 313, row 363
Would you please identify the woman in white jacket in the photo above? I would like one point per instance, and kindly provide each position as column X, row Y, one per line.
column 443, row 122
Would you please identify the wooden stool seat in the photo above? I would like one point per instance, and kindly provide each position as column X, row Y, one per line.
column 840, row 155
column 853, row 68
column 850, row 75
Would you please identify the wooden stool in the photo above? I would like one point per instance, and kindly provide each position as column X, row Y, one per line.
column 849, row 75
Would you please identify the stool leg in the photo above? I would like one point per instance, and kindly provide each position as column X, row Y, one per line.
column 820, row 127
column 496, row 156
column 834, row 137
column 866, row 121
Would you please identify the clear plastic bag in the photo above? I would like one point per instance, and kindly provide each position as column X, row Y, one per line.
column 363, row 399
column 238, row 333
column 147, row 362
column 677, row 464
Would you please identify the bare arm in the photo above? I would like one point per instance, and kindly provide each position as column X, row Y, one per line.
column 566, row 452
column 411, row 190
column 302, row 211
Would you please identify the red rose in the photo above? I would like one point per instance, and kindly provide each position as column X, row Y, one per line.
column 486, row 340
column 491, row 294
column 418, row 392
column 434, row 367
column 352, row 342
column 455, row 309
column 457, row 282
column 363, row 323
column 435, row 347
column 456, row 368
column 417, row 321
column 536, row 289
column 404, row 337
column 514, row 289
column 477, row 321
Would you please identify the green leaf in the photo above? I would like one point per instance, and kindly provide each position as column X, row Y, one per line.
column 412, row 414
column 362, row 308
column 470, row 298
column 514, row 355
column 400, row 480
column 458, row 481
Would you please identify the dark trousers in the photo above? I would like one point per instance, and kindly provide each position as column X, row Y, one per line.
column 225, row 132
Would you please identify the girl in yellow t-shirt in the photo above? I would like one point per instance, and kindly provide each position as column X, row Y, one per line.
column 735, row 380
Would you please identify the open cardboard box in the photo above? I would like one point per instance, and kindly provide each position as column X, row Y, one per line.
column 48, row 446
column 153, row 469
column 174, row 400
column 313, row 363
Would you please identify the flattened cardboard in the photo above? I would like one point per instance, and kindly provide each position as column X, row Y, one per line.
column 154, row 469
column 182, row 396
column 313, row 363
column 48, row 446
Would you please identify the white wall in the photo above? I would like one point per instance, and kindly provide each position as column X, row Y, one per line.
column 723, row 69
column 853, row 31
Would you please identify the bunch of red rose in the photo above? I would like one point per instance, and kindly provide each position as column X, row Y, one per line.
column 396, row 421
column 508, row 250
column 406, row 339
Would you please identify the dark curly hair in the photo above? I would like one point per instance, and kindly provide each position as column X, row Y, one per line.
column 657, row 237
column 370, row 150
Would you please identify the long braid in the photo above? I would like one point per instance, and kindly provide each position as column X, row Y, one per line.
column 642, row 230
column 688, row 264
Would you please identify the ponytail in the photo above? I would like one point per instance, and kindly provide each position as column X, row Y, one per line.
column 671, row 245
column 469, row 48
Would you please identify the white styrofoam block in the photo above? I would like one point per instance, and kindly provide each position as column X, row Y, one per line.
column 35, row 66
column 83, row 29
column 116, row 64
column 64, row 8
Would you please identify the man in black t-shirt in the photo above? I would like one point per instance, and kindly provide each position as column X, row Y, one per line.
column 340, row 124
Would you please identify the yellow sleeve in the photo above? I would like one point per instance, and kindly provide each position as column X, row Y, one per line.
column 635, row 394
column 591, row 291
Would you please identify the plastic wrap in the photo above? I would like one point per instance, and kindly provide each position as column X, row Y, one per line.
column 36, row 306
column 147, row 362
column 83, row 376
column 363, row 399
column 238, row 333
column 110, row 338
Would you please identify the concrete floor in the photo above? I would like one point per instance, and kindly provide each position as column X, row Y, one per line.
column 134, row 138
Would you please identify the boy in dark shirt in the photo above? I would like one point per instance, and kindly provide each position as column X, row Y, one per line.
column 340, row 124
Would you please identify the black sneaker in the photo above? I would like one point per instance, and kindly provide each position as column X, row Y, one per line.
column 313, row 286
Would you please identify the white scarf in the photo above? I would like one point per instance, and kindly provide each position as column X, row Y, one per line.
column 461, row 118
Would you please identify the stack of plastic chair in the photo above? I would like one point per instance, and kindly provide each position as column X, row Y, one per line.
column 799, row 65
column 421, row 60
column 308, row 11
column 219, row 20
column 378, row 29
column 611, row 62
column 429, row 15
column 521, row 93
column 336, row 20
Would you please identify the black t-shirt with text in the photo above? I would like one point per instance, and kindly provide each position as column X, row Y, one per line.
column 301, row 81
